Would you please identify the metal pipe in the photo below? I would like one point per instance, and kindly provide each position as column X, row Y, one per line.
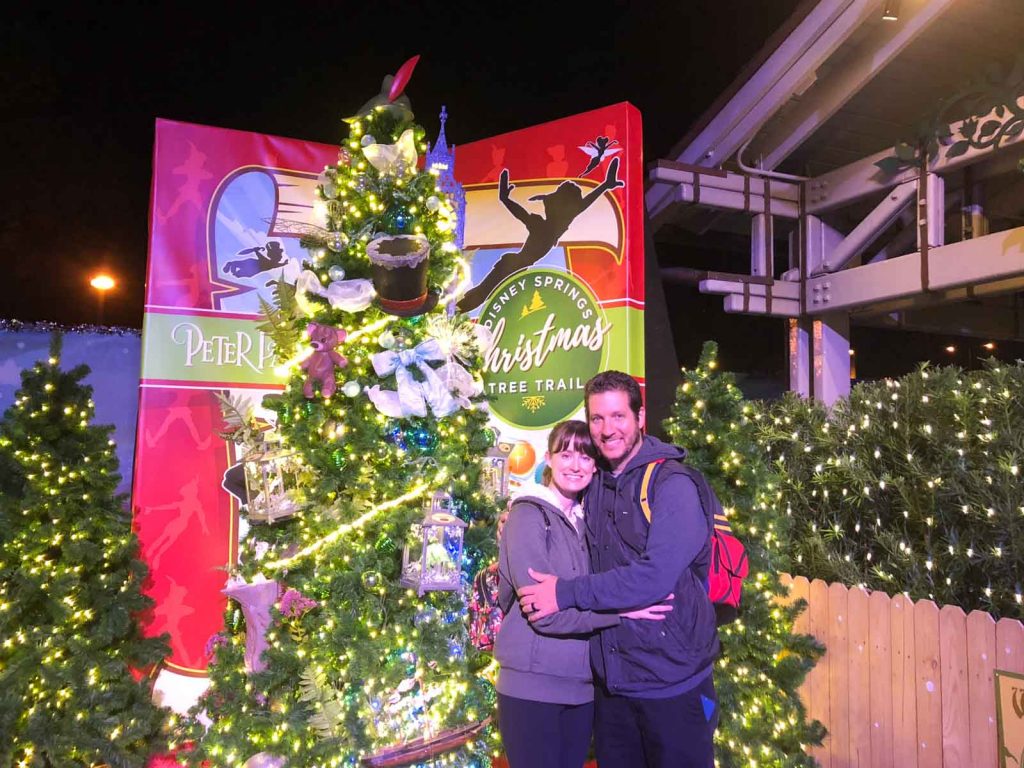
column 759, row 172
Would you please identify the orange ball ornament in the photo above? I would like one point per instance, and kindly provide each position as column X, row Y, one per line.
column 522, row 459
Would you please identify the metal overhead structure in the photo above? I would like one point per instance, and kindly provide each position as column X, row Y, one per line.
column 791, row 152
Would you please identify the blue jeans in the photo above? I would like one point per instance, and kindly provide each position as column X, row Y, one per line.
column 677, row 732
column 541, row 735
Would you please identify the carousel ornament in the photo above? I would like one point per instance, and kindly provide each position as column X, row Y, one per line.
column 271, row 475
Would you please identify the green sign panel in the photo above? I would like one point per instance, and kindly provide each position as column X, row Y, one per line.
column 549, row 338
column 210, row 349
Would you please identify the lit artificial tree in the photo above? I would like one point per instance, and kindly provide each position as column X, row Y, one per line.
column 763, row 723
column 910, row 485
column 332, row 654
column 70, row 586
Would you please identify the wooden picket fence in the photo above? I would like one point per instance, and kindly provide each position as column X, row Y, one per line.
column 902, row 683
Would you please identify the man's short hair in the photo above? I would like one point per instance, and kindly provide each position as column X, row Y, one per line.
column 614, row 381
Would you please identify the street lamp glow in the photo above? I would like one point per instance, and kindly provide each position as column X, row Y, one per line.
column 951, row 349
column 989, row 345
column 102, row 282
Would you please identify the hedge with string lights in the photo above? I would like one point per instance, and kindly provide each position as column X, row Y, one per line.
column 70, row 586
column 912, row 485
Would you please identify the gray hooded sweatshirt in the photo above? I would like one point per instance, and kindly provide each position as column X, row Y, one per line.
column 549, row 660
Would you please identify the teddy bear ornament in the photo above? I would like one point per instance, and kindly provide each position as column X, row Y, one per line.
column 320, row 365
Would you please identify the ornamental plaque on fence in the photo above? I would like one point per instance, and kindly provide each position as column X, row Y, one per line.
column 1010, row 717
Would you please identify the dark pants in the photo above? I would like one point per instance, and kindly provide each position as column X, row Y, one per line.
column 656, row 733
column 541, row 735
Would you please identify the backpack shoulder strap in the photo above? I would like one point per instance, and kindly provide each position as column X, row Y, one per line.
column 536, row 505
column 645, row 487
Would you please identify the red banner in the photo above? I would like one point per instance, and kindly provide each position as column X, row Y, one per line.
column 218, row 198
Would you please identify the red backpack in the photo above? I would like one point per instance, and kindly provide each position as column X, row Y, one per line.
column 729, row 565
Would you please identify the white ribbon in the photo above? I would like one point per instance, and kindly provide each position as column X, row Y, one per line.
column 347, row 295
column 392, row 158
column 411, row 397
column 460, row 382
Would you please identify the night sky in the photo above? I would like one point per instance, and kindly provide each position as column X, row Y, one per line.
column 83, row 85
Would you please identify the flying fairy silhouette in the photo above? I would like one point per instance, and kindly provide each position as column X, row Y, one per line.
column 561, row 208
column 598, row 149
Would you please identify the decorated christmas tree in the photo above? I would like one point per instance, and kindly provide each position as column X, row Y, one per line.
column 763, row 663
column 70, row 586
column 911, row 485
column 346, row 635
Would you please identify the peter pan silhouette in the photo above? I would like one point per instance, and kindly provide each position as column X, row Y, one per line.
column 561, row 208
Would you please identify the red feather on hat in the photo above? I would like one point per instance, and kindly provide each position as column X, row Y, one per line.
column 402, row 78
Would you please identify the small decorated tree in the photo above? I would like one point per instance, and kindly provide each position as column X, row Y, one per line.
column 70, row 586
column 763, row 722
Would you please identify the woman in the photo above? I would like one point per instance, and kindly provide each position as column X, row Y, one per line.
column 545, row 691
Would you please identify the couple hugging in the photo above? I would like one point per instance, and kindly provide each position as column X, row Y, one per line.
column 608, row 628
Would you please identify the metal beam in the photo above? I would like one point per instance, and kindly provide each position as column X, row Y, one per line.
column 830, row 92
column 983, row 320
column 675, row 184
column 869, row 228
column 863, row 178
column 776, row 298
column 995, row 257
column 790, row 69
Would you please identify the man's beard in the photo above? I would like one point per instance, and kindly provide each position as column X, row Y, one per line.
column 626, row 454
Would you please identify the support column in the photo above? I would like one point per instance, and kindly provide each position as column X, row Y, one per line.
column 974, row 222
column 798, row 349
column 762, row 250
column 931, row 212
column 831, row 350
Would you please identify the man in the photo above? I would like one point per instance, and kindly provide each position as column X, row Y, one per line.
column 655, row 702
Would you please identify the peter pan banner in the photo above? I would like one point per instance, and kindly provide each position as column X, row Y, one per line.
column 217, row 199
column 554, row 230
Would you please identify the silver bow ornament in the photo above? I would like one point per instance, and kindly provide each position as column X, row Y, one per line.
column 347, row 295
column 412, row 397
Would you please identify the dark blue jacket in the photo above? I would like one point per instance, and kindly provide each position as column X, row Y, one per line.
column 635, row 564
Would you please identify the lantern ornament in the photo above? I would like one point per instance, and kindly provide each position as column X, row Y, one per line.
column 271, row 483
column 494, row 471
column 432, row 556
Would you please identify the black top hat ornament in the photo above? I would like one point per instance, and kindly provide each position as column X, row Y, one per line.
column 399, row 268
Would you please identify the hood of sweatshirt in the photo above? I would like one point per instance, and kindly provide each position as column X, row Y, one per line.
column 550, row 498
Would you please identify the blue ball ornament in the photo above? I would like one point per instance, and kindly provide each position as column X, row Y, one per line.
column 423, row 439
column 394, row 434
column 397, row 220
column 538, row 475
